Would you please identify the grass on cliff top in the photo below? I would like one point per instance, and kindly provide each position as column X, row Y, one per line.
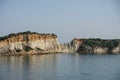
column 24, row 33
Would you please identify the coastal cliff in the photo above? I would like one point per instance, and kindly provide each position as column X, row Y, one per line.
column 36, row 43
column 28, row 43
column 94, row 46
column 73, row 46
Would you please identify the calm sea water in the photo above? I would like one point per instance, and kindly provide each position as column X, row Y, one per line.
column 60, row 67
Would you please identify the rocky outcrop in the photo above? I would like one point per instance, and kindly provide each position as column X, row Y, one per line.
column 116, row 49
column 99, row 46
column 93, row 46
column 29, row 43
column 100, row 50
column 35, row 43
column 72, row 46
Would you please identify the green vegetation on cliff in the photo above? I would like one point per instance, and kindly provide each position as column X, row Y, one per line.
column 24, row 33
column 89, row 45
column 102, row 42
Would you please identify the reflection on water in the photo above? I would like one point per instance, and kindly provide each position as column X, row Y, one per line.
column 60, row 67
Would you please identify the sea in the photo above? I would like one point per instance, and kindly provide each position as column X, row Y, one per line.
column 60, row 66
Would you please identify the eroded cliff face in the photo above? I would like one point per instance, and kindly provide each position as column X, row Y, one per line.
column 100, row 46
column 100, row 50
column 29, row 43
column 73, row 46
column 35, row 43
column 116, row 49
column 93, row 46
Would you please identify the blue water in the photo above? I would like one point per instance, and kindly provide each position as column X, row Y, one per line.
column 60, row 67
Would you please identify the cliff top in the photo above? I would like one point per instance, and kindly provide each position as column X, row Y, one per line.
column 99, row 42
column 27, row 33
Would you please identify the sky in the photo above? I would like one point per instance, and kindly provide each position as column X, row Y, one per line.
column 68, row 19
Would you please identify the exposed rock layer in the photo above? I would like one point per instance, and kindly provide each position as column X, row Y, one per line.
column 35, row 43
column 29, row 43
column 96, row 46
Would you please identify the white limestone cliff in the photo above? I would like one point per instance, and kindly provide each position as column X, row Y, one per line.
column 27, row 43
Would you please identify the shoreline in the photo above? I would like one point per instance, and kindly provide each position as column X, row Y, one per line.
column 81, row 53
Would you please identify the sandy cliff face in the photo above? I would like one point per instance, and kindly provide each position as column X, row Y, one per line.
column 29, row 42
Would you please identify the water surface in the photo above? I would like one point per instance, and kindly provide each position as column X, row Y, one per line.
column 60, row 67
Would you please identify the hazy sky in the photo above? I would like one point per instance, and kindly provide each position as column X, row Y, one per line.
column 67, row 18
